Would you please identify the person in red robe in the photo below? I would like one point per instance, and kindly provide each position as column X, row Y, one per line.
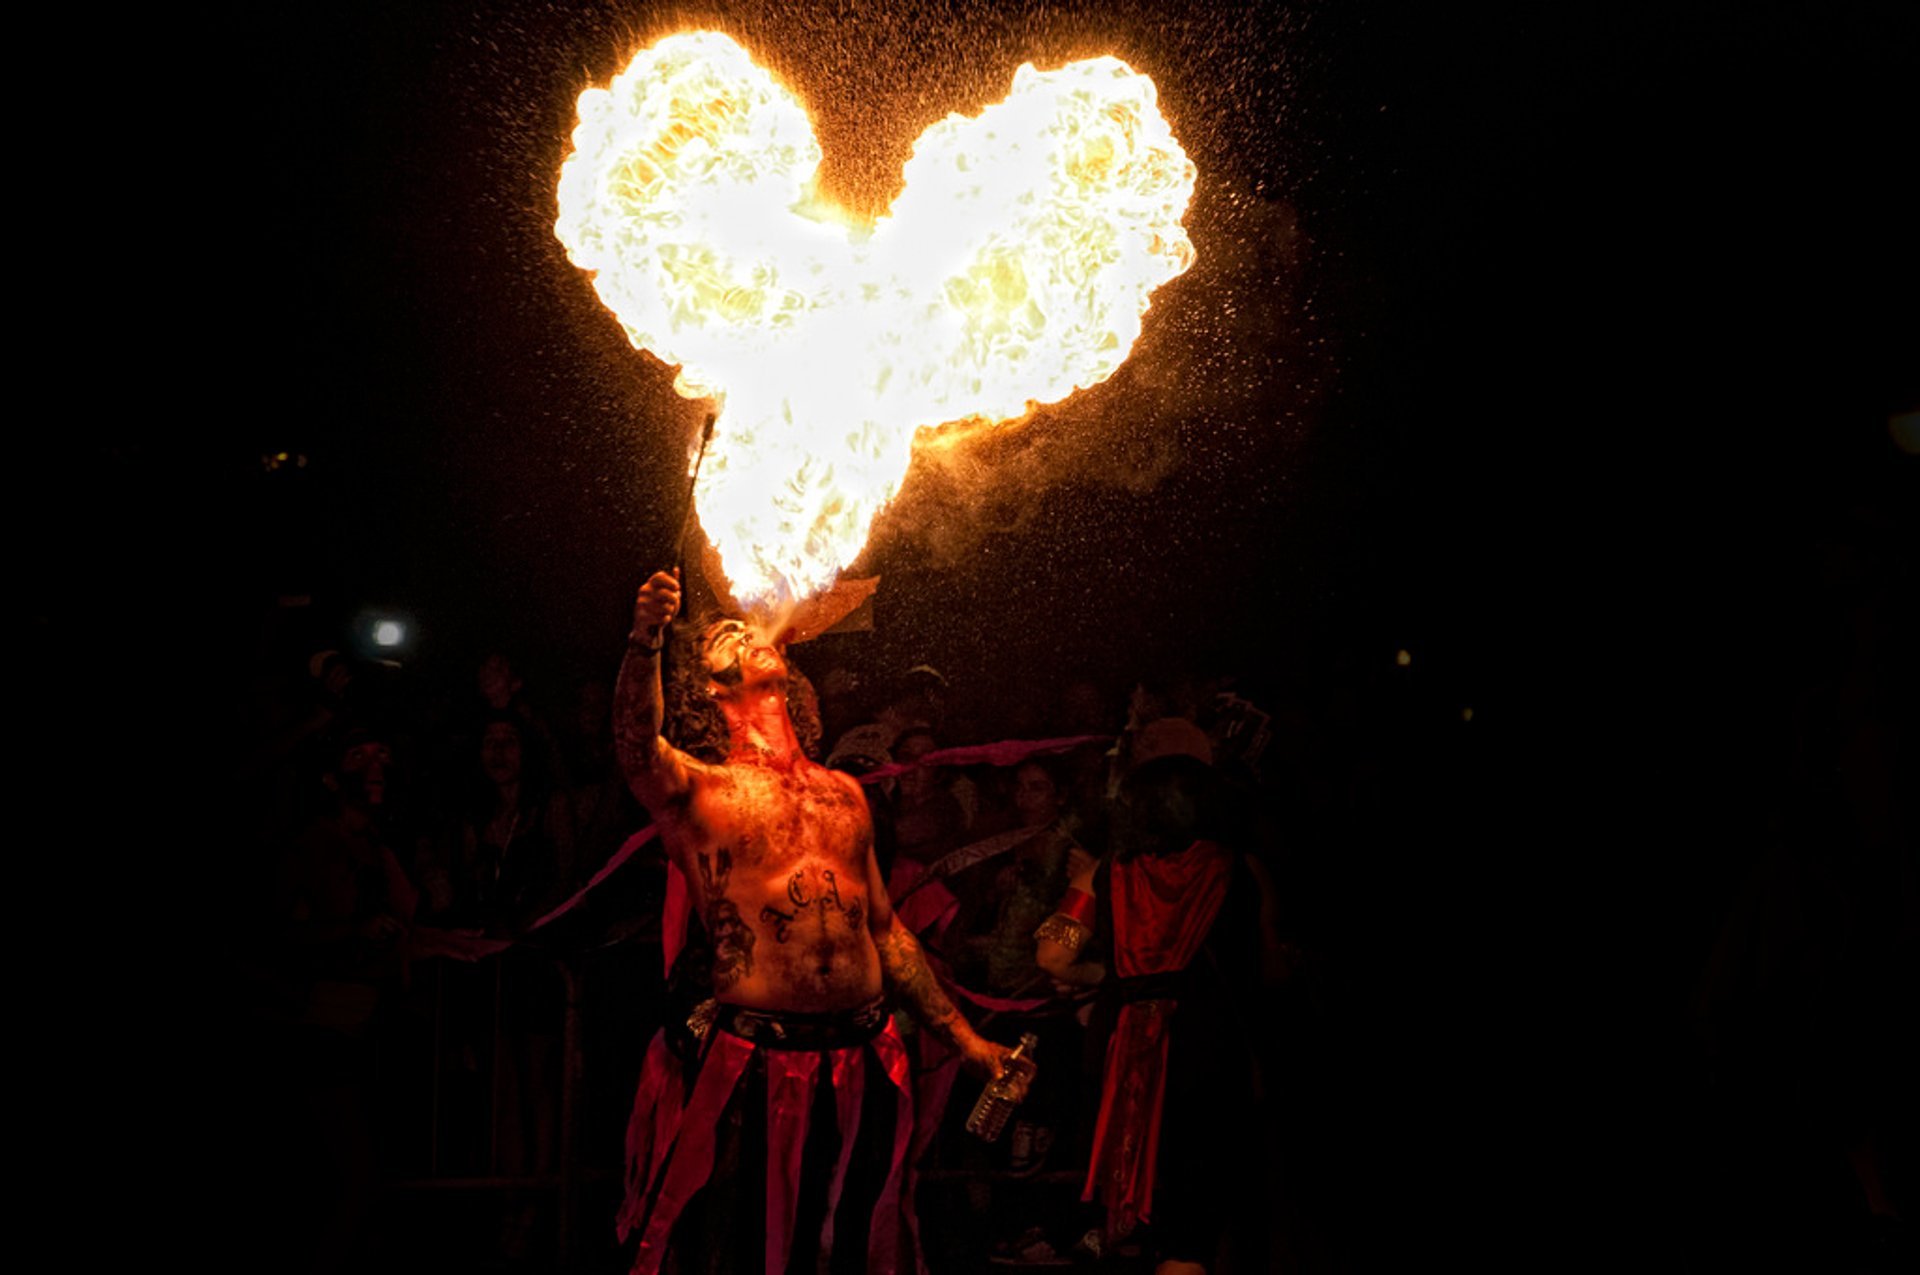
column 1171, row 927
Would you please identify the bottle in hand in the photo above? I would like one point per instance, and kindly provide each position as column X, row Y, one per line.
column 990, row 1114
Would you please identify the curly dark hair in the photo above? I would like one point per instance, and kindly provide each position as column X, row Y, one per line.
column 695, row 723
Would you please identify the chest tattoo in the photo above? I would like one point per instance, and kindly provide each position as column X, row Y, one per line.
column 819, row 890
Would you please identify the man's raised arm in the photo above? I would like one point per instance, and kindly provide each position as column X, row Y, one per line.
column 657, row 772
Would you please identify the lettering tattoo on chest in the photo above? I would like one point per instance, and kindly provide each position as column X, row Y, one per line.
column 732, row 937
column 803, row 894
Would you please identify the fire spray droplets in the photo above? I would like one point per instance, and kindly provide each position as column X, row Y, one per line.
column 1013, row 269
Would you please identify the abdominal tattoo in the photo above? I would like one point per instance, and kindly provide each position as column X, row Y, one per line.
column 826, row 898
column 732, row 938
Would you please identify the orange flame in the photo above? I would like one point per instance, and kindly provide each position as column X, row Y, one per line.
column 1013, row 269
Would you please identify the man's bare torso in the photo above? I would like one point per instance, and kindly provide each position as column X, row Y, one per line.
column 777, row 858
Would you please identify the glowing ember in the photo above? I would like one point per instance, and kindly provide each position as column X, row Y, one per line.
column 1013, row 269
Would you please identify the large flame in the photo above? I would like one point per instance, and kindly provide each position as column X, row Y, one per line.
column 1013, row 269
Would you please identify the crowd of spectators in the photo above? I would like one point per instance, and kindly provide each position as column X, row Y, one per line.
column 426, row 1025
column 411, row 841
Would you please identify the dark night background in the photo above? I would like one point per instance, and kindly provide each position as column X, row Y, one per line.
column 1556, row 345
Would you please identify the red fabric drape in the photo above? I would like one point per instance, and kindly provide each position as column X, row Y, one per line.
column 790, row 1080
column 657, row 1105
column 883, row 1251
column 1163, row 906
column 849, row 1091
column 690, row 1161
column 671, row 1141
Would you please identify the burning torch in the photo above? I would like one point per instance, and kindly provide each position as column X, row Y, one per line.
column 686, row 517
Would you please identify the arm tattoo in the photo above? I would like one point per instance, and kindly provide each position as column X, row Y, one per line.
column 912, row 978
column 732, row 938
column 637, row 717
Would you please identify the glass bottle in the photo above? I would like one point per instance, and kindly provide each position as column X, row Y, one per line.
column 988, row 1119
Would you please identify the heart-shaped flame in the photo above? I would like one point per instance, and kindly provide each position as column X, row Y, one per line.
column 1013, row 269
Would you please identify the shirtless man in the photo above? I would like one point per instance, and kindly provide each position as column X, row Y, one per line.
column 777, row 854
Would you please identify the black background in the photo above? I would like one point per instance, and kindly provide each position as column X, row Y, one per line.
column 1554, row 344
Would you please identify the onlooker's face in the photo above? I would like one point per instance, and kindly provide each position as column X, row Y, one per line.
column 497, row 682
column 363, row 773
column 916, row 784
column 594, row 709
column 338, row 678
column 1035, row 796
column 926, row 705
column 500, row 753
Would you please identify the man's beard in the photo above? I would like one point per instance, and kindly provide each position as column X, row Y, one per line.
column 735, row 673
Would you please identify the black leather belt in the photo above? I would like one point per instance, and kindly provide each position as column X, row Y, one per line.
column 786, row 1029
